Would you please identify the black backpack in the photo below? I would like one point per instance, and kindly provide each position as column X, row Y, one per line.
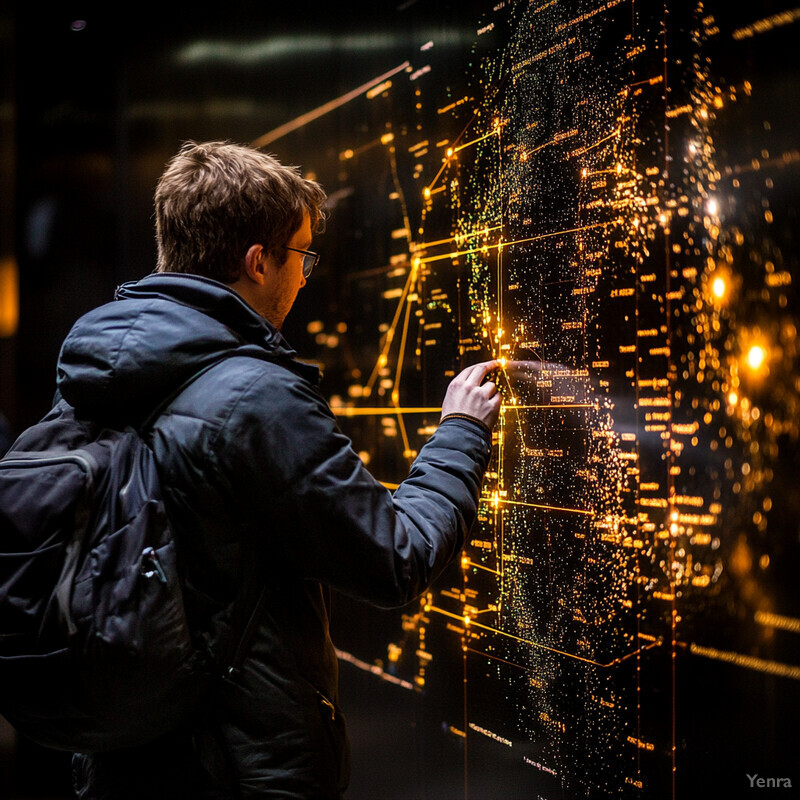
column 95, row 649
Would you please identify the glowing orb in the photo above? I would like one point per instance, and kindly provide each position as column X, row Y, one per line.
column 756, row 356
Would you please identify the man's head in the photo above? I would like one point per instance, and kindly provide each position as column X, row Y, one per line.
column 215, row 200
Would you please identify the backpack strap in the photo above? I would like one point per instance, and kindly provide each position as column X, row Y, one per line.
column 237, row 648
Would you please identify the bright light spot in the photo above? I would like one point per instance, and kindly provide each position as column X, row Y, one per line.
column 756, row 356
column 718, row 287
column 733, row 398
column 713, row 207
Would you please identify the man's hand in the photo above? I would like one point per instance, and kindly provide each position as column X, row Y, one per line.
column 468, row 394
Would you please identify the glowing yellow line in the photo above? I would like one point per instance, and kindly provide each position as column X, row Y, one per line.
column 389, row 336
column 615, row 132
column 501, row 501
column 557, row 140
column 376, row 411
column 398, row 375
column 324, row 109
column 404, row 435
column 480, row 566
column 445, row 162
column 494, row 658
column 473, row 624
column 512, row 406
column 748, row 662
column 459, row 237
column 373, row 412
column 767, row 24
column 373, row 669
column 492, row 132
column 456, row 254
column 558, row 233
column 501, row 244
column 770, row 620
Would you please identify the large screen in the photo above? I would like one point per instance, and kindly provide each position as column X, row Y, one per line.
column 603, row 195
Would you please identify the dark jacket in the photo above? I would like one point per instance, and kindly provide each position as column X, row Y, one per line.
column 262, row 488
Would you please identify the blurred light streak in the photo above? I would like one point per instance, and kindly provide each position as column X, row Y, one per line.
column 748, row 662
column 767, row 24
column 9, row 297
column 374, row 669
column 326, row 108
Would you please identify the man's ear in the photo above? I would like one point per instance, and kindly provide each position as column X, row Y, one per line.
column 255, row 264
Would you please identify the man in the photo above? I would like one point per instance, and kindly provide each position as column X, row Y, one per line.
column 262, row 487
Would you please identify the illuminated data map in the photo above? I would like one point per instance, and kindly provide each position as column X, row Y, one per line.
column 570, row 186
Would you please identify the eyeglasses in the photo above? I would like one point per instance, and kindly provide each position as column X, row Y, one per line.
column 310, row 260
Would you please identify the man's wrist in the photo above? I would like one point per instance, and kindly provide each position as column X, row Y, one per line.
column 469, row 418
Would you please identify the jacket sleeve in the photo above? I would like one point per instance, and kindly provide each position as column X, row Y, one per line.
column 328, row 519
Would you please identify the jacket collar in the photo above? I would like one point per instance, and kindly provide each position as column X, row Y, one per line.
column 213, row 298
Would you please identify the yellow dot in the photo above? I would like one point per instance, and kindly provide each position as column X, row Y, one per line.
column 756, row 356
column 718, row 287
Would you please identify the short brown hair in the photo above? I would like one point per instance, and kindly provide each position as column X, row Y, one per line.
column 216, row 199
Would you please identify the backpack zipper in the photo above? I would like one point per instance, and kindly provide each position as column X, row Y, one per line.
column 26, row 459
column 62, row 595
